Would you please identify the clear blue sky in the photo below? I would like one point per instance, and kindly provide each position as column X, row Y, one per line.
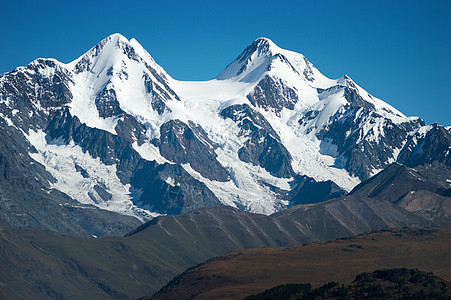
column 398, row 51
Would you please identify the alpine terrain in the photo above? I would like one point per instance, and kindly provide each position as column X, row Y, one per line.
column 99, row 145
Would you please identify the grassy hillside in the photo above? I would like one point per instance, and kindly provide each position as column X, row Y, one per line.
column 239, row 274
column 41, row 264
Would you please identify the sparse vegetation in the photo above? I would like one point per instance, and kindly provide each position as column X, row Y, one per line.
column 325, row 262
column 398, row 283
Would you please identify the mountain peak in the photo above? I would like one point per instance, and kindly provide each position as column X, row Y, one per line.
column 345, row 80
column 263, row 56
column 115, row 40
column 263, row 40
column 264, row 45
column 112, row 50
column 261, row 47
column 256, row 56
column 117, row 37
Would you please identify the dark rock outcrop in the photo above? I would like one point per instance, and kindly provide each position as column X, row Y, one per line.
column 422, row 190
column 188, row 143
column 169, row 189
column 422, row 148
column 273, row 94
column 359, row 146
column 307, row 190
column 263, row 147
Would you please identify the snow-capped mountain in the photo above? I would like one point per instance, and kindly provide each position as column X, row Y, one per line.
column 113, row 130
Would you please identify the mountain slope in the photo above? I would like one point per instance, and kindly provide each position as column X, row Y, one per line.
column 340, row 261
column 113, row 130
column 28, row 199
column 424, row 190
column 48, row 264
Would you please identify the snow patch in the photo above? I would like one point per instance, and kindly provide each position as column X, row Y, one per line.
column 85, row 179
column 7, row 120
column 171, row 181
column 150, row 152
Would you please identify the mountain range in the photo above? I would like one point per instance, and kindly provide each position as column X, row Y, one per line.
column 108, row 141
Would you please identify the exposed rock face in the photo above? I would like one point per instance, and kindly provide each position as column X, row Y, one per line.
column 26, row 93
column 421, row 190
column 248, row 119
column 363, row 140
column 129, row 129
column 51, row 89
column 264, row 150
column 263, row 146
column 110, row 149
column 307, row 190
column 427, row 147
column 28, row 199
column 157, row 98
column 188, row 143
column 107, row 104
column 27, row 193
column 169, row 189
column 272, row 94
column 358, row 150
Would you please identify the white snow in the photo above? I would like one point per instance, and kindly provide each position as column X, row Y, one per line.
column 113, row 69
column 244, row 191
column 149, row 152
column 382, row 107
column 8, row 120
column 171, row 181
column 60, row 161
column 258, row 63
